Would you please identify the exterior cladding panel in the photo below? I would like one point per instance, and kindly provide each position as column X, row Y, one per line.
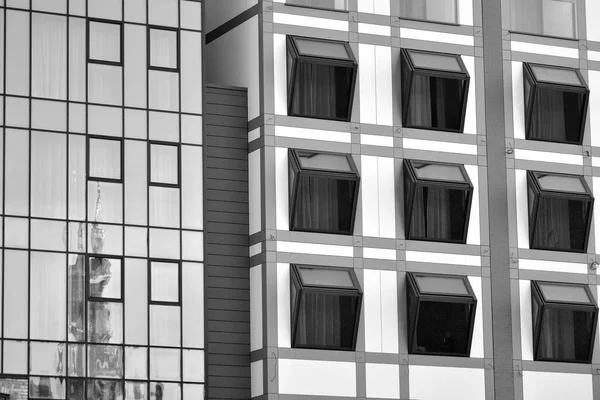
column 227, row 269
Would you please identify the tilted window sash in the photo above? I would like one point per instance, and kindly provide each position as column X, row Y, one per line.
column 558, row 220
column 554, row 111
column 320, row 86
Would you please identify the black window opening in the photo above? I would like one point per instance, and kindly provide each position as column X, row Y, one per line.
column 323, row 192
column 441, row 314
column 556, row 103
column 325, row 307
column 437, row 199
column 435, row 87
column 560, row 211
column 321, row 78
column 340, row 5
column 564, row 322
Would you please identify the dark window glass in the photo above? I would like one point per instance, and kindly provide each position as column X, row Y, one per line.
column 327, row 4
column 321, row 78
column 430, row 10
column 545, row 17
column 323, row 192
column 441, row 313
column 437, row 209
column 555, row 104
column 558, row 220
column 434, row 91
column 325, row 307
column 563, row 329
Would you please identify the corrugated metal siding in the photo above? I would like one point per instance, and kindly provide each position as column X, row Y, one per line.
column 227, row 273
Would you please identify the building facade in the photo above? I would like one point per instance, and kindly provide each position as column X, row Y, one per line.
column 102, row 219
column 421, row 180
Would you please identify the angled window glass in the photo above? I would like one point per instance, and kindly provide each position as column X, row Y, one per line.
column 559, row 219
column 323, row 191
column 556, row 103
column 325, row 4
column 564, row 317
column 437, row 200
column 430, row 10
column 434, row 90
column 441, row 314
column 545, row 17
column 321, row 78
column 104, row 42
column 324, row 317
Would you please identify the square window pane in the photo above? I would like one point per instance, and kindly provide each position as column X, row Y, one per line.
column 163, row 48
column 105, row 41
column 104, row 389
column 164, row 164
column 105, row 362
column 46, row 388
column 47, row 358
column 105, row 277
column 136, row 391
column 565, row 335
column 76, row 389
column 105, row 159
column 165, row 325
column 165, row 281
column 165, row 364
column 137, row 363
column 164, row 391
column 105, row 322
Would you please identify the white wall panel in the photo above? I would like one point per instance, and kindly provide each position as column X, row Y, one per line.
column 370, row 201
column 315, row 248
column 191, row 72
column 17, row 53
column 432, row 36
column 546, row 156
column 386, row 200
column 594, row 102
column 553, row 266
column 135, row 65
column 446, row 383
column 284, row 330
column 367, row 83
column 518, row 100
column 310, row 22
column 442, row 258
column 474, row 233
column 312, row 134
column 317, row 378
column 544, row 49
column 254, row 192
column 383, row 75
column 49, row 56
column 77, row 59
column 256, row 340
column 383, row 381
column 526, row 323
column 279, row 74
column 556, row 386
column 256, row 374
column 593, row 28
column 465, row 12
column 477, row 341
column 522, row 210
column 471, row 112
column 439, row 146
column 373, row 29
column 372, row 310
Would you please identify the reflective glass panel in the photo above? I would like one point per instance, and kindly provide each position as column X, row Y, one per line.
column 564, row 293
column 336, row 162
column 163, row 48
column 76, row 389
column 48, row 292
column 76, row 360
column 136, row 363
column 104, row 390
column 561, row 183
column 325, row 277
column 556, row 75
column 105, row 41
column 105, row 277
column 105, row 361
column 165, row 364
column 164, row 164
column 46, row 388
column 47, row 358
column 438, row 172
column 441, row 284
column 136, row 391
column 105, row 158
column 318, row 48
column 437, row 61
column 164, row 391
column 165, row 281
column 165, row 325
column 76, row 297
column 105, row 322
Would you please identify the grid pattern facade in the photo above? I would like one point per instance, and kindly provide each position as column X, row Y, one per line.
column 377, row 30
column 102, row 222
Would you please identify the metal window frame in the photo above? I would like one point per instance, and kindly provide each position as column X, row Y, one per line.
column 412, row 289
column 538, row 193
column 407, row 66
column 178, row 302
column 293, row 186
column 292, row 79
column 88, row 275
column 121, row 40
column 296, row 281
column 149, row 166
column 536, row 85
column 122, row 158
column 414, row 183
column 537, row 296
column 177, row 48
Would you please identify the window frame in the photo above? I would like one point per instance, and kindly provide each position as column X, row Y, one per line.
column 287, row 3
column 294, row 163
column 296, row 279
column 122, row 157
column 538, row 192
column 529, row 76
column 88, row 295
column 416, row 182
column 296, row 58
column 543, row 304
column 149, row 160
column 177, row 303
column 177, row 48
column 121, row 41
column 406, row 88
column 412, row 288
